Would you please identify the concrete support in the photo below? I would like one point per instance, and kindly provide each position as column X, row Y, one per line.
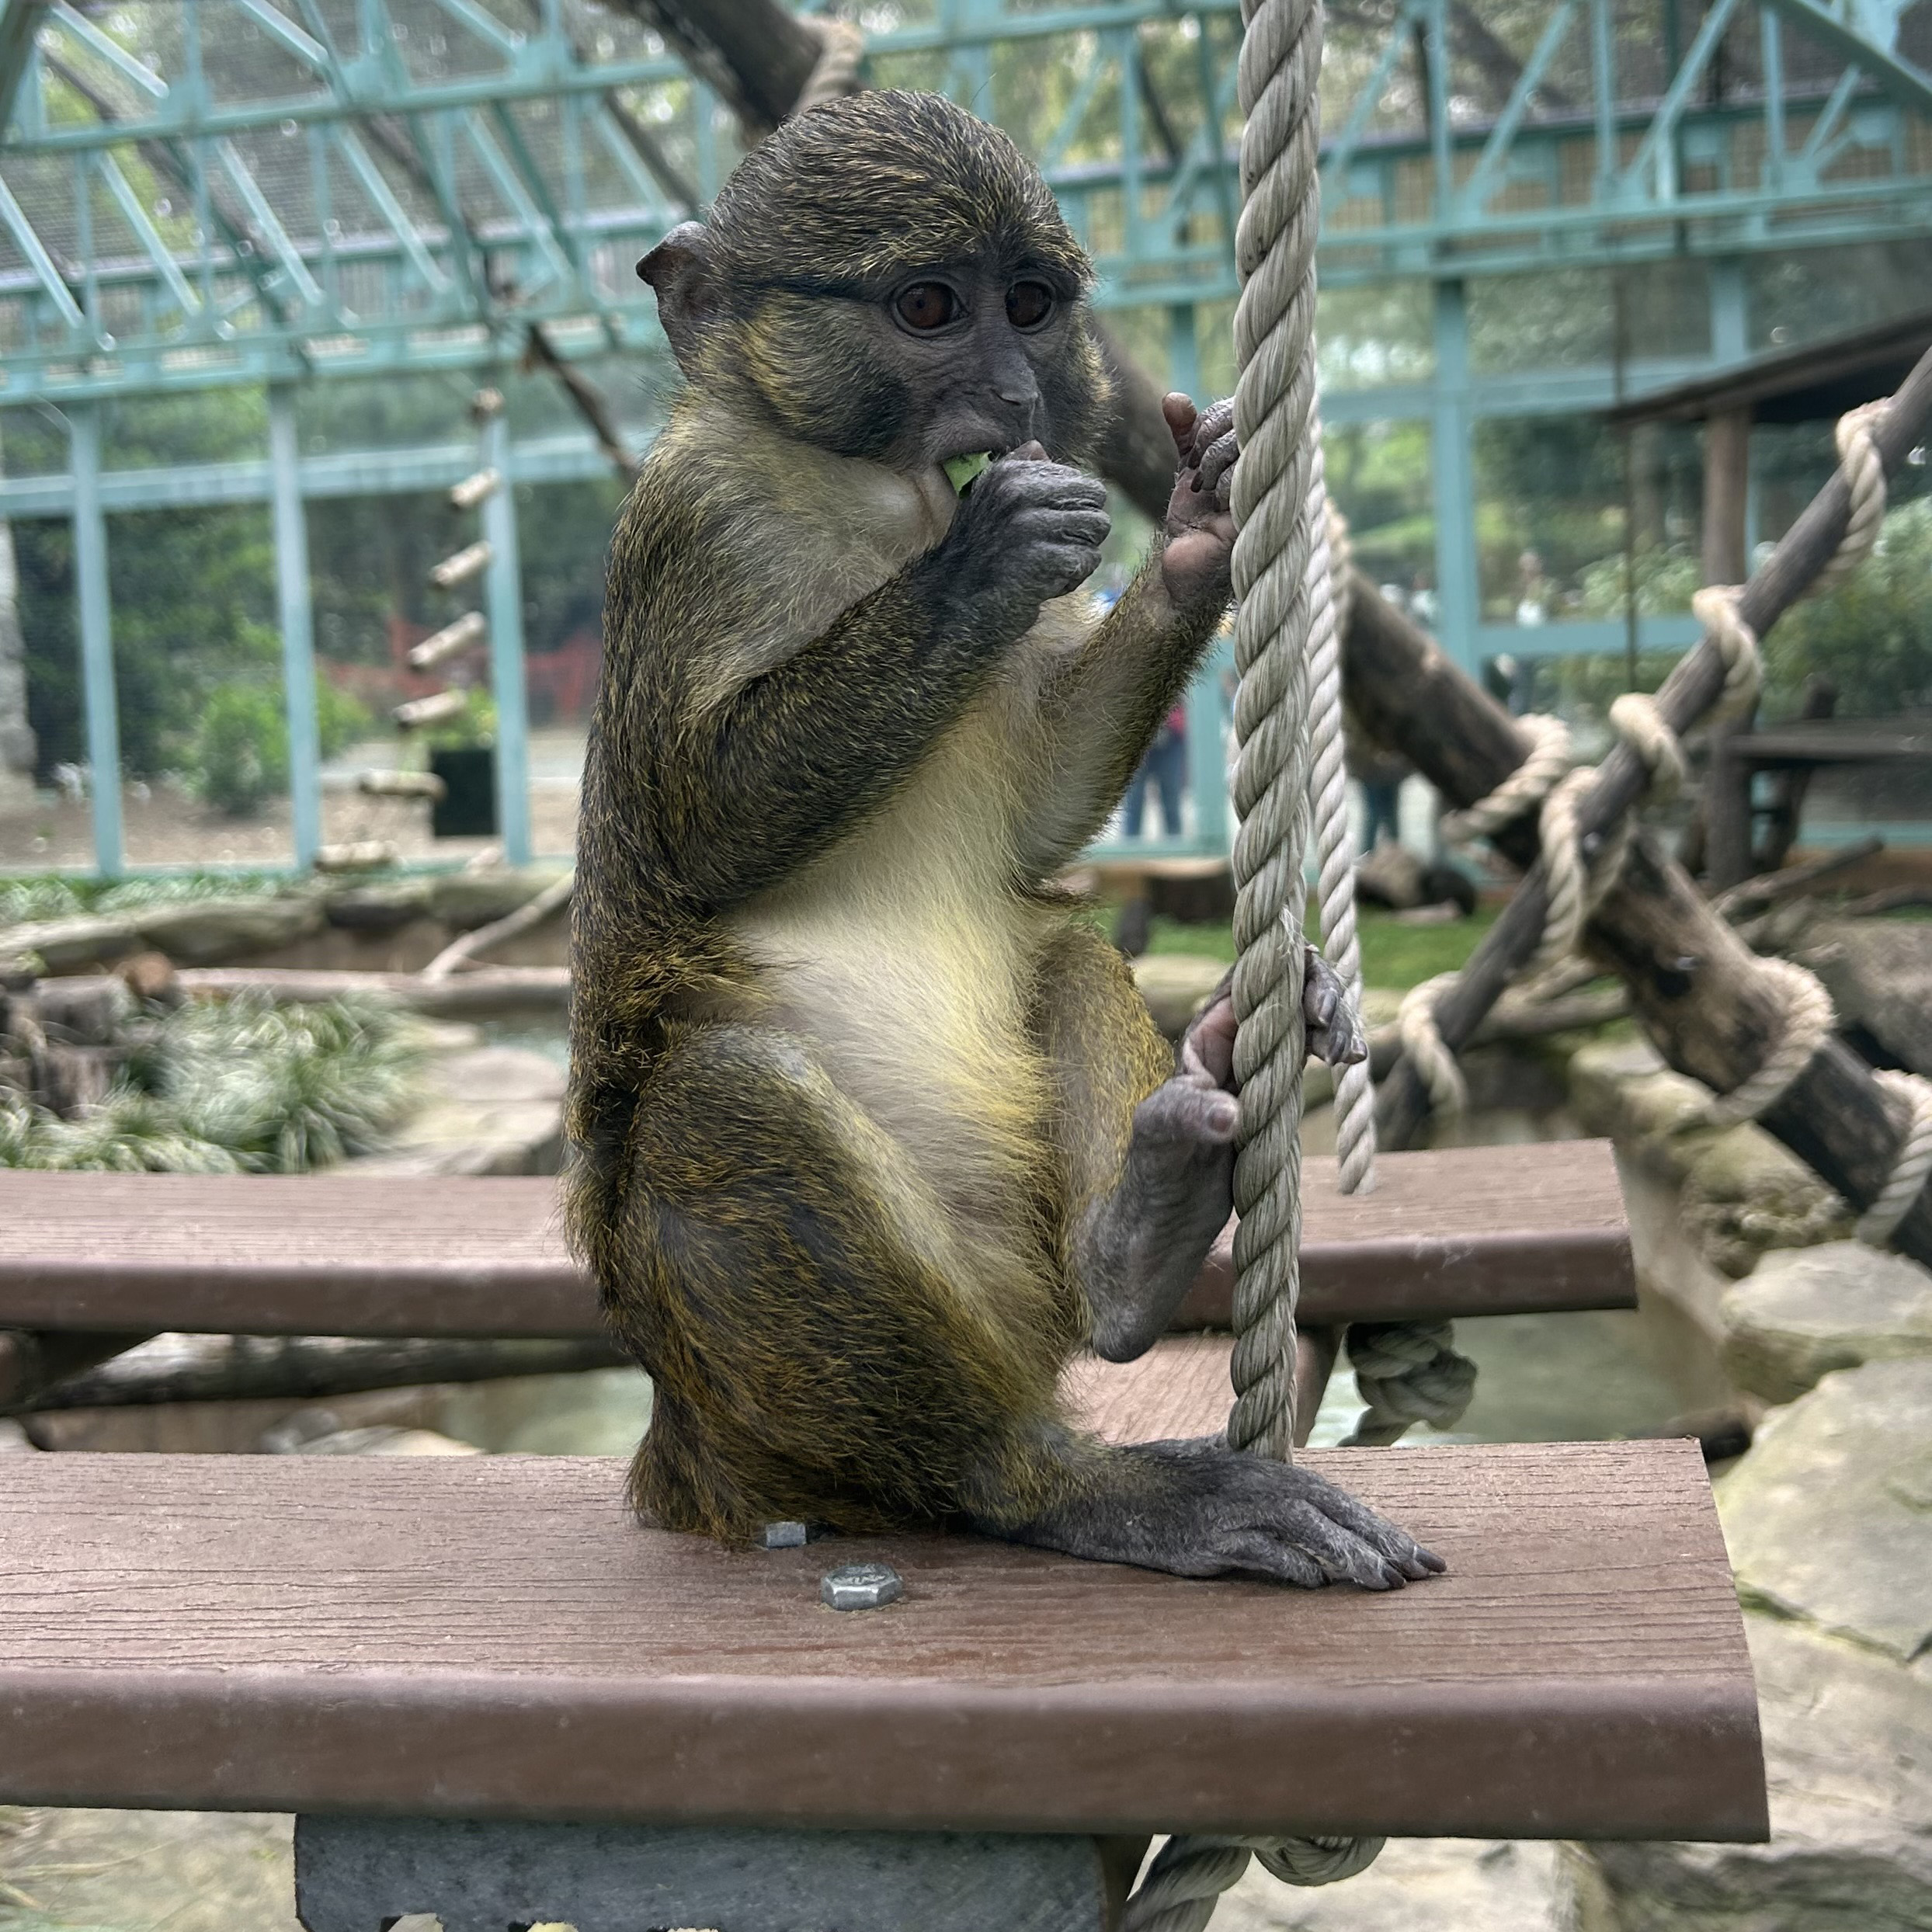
column 298, row 630
column 97, row 645
column 1453, row 475
column 504, row 596
column 359, row 1874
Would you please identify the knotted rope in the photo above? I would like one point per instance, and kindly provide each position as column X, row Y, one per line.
column 1280, row 527
column 1328, row 598
column 1913, row 1163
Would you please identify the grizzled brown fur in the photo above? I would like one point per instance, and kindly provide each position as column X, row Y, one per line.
column 851, row 1088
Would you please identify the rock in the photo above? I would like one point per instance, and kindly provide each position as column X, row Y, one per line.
column 205, row 932
column 1848, row 1767
column 382, row 1441
column 488, row 1111
column 1175, row 985
column 1743, row 1192
column 464, row 900
column 1805, row 1313
column 1879, row 974
column 1746, row 1193
column 70, row 946
column 1829, row 1519
column 382, row 908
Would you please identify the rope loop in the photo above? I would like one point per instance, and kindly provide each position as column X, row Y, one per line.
column 1424, row 1047
column 1911, row 1165
column 1545, row 762
column 1865, row 473
column 1407, row 1372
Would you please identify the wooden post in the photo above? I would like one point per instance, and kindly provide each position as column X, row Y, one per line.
column 1727, row 472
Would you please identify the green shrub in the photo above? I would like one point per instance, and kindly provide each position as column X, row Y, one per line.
column 1872, row 636
column 238, row 755
column 341, row 718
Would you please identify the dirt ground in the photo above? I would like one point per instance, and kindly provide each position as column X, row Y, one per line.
column 163, row 826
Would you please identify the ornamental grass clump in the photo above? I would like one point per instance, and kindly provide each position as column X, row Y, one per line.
column 244, row 1086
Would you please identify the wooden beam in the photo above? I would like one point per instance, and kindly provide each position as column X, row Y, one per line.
column 491, row 1637
column 1490, row 1230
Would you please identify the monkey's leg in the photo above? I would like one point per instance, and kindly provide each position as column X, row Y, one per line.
column 1148, row 1151
column 823, row 1347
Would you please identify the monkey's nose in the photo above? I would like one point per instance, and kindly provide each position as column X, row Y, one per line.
column 1019, row 402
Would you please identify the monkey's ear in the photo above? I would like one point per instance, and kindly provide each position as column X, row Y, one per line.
column 678, row 271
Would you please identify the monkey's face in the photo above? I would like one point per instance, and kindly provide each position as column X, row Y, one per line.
column 945, row 358
column 889, row 279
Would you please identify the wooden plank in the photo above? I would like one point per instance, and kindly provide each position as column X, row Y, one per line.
column 1180, row 1387
column 1493, row 1230
column 491, row 1636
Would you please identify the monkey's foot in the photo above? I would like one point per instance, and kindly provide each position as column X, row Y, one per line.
column 1142, row 1247
column 1334, row 1026
column 1197, row 1509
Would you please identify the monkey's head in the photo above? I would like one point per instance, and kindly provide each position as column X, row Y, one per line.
column 888, row 278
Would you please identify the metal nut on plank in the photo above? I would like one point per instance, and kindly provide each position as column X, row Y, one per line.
column 784, row 1536
column 861, row 1585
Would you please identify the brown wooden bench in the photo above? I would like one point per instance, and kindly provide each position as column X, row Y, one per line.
column 493, row 1638
column 1471, row 1231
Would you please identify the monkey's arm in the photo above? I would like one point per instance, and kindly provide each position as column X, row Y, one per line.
column 1100, row 711
column 743, row 784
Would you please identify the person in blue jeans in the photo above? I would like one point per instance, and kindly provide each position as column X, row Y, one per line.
column 1165, row 767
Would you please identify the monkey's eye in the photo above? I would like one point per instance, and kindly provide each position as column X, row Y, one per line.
column 1029, row 304
column 926, row 305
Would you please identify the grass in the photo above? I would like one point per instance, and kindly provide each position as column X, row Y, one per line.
column 28, row 897
column 1394, row 954
column 242, row 1087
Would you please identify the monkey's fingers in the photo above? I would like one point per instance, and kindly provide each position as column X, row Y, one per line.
column 1216, row 467
column 1213, row 423
column 1182, row 416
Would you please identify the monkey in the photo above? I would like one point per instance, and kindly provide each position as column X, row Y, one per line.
column 869, row 1131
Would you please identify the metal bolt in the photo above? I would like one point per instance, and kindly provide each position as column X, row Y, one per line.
column 861, row 1585
column 782, row 1536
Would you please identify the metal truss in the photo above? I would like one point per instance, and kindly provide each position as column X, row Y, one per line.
column 212, row 191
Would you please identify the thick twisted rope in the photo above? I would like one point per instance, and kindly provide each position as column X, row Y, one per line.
column 1328, row 788
column 1278, row 517
column 1543, row 764
column 1274, row 247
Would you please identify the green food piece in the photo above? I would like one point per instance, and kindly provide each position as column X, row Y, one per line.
column 961, row 470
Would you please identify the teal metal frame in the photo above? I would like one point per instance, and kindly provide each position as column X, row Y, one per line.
column 387, row 205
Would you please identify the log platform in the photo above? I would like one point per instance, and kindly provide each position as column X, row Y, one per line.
column 493, row 1638
column 1473, row 1231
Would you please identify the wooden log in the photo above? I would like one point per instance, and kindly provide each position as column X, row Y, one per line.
column 1688, row 972
column 1789, row 788
column 454, row 639
column 195, row 1368
column 32, row 1361
column 472, row 946
column 1772, row 888
column 489, row 992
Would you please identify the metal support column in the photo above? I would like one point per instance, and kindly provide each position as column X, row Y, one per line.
column 1183, row 351
column 505, row 595
column 298, row 629
column 1730, row 319
column 1453, row 475
column 97, row 643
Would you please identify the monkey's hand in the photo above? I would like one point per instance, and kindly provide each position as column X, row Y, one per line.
column 1027, row 530
column 1201, row 526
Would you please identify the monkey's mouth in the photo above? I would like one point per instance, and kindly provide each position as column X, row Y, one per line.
column 963, row 471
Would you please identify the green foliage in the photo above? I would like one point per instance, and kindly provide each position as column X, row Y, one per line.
column 238, row 755
column 59, row 895
column 1665, row 578
column 1872, row 636
column 241, row 1087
